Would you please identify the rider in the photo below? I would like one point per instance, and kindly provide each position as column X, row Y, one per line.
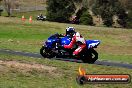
column 70, row 31
column 76, row 39
column 41, row 15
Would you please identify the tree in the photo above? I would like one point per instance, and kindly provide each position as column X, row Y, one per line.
column 7, row 4
column 59, row 10
column 107, row 17
column 10, row 5
column 129, row 20
column 86, row 18
column 0, row 2
column 103, row 8
column 78, row 5
column 122, row 17
column 107, row 9
column 0, row 8
column 126, row 3
column 128, row 6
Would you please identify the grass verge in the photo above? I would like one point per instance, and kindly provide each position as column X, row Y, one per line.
column 63, row 76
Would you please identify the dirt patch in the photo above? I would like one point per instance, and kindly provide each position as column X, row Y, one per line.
column 27, row 67
column 3, row 69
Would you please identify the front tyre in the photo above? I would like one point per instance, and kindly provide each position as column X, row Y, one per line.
column 47, row 53
column 42, row 51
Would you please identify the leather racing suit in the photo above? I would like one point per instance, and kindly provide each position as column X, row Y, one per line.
column 79, row 40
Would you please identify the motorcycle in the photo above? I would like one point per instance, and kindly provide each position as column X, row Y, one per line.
column 51, row 49
column 43, row 18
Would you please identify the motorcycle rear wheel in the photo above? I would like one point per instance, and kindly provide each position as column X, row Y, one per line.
column 90, row 57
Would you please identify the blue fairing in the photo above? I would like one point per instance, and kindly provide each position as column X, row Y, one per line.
column 65, row 40
column 49, row 43
column 92, row 43
column 53, row 39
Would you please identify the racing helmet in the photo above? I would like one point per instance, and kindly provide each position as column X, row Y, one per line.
column 70, row 31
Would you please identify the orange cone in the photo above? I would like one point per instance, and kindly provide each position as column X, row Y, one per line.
column 23, row 18
column 30, row 19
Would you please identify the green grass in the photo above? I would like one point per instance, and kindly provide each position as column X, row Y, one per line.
column 117, row 58
column 63, row 77
column 34, row 14
column 116, row 44
column 28, row 3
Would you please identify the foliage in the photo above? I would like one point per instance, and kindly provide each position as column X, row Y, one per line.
column 127, row 4
column 129, row 20
column 107, row 17
column 107, row 9
column 0, row 8
column 86, row 18
column 120, row 11
column 122, row 17
column 59, row 10
column 9, row 5
column 129, row 13
column 1, row 1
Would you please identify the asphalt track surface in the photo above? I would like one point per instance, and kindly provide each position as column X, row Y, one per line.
column 36, row 55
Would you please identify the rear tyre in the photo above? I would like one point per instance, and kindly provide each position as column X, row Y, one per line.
column 94, row 55
column 90, row 57
column 87, row 59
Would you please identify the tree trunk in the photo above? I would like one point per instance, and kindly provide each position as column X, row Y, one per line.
column 7, row 4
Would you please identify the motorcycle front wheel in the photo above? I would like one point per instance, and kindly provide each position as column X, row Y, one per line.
column 46, row 53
